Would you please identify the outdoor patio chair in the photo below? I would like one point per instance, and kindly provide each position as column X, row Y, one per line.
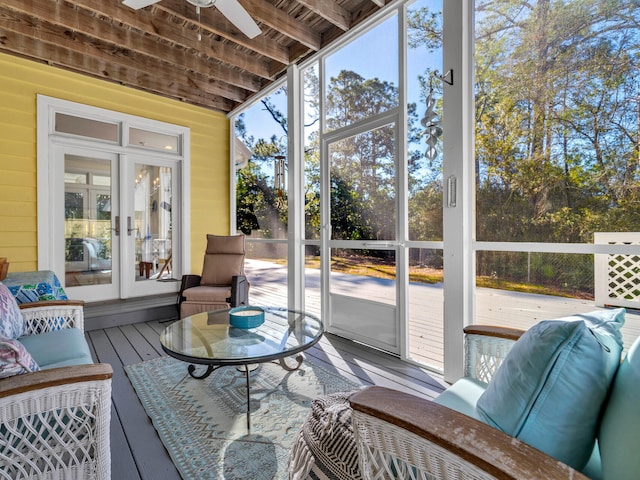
column 54, row 414
column 222, row 284
column 572, row 402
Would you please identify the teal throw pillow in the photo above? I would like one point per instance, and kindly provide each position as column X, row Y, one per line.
column 620, row 426
column 550, row 389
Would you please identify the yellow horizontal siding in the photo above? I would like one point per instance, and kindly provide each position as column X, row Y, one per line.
column 22, row 80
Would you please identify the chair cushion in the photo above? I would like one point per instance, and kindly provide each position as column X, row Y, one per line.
column 208, row 294
column 463, row 396
column 621, row 421
column 219, row 269
column 15, row 359
column 61, row 348
column 550, row 389
column 225, row 244
column 11, row 321
column 223, row 259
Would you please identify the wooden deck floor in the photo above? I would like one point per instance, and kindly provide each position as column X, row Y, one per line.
column 138, row 453
column 426, row 306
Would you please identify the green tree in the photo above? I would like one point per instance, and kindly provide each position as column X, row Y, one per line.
column 557, row 116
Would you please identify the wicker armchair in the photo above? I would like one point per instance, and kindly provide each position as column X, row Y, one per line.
column 401, row 436
column 55, row 423
column 387, row 434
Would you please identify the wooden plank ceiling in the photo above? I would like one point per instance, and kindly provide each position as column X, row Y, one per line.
column 157, row 48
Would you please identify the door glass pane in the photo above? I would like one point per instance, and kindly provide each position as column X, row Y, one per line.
column 86, row 127
column 363, row 186
column 363, row 293
column 88, row 234
column 373, row 271
column 152, row 222
column 154, row 140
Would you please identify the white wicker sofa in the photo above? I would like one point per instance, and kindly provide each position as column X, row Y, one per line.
column 54, row 422
column 395, row 435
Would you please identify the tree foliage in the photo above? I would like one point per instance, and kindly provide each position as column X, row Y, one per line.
column 557, row 119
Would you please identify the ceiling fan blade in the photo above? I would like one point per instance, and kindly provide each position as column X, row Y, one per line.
column 237, row 15
column 138, row 4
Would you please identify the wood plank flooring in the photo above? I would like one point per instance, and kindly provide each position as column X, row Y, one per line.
column 426, row 306
column 136, row 449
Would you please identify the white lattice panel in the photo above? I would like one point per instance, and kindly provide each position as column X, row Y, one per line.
column 617, row 277
column 483, row 355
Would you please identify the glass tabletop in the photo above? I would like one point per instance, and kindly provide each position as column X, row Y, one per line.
column 208, row 338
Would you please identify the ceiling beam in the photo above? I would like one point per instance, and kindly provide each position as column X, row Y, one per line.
column 90, row 66
column 160, row 28
column 57, row 46
column 280, row 21
column 365, row 10
column 330, row 11
column 167, row 49
column 211, row 20
column 76, row 20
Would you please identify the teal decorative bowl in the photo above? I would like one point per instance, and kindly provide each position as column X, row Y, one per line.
column 246, row 317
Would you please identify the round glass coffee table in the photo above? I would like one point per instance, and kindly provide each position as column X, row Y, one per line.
column 209, row 339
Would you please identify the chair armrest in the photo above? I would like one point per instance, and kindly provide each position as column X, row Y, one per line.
column 188, row 281
column 29, row 382
column 239, row 291
column 56, row 421
column 399, row 433
column 494, row 332
column 47, row 316
column 485, row 349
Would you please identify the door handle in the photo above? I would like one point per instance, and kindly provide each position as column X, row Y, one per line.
column 129, row 229
column 117, row 228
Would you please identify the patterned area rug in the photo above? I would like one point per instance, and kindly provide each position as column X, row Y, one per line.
column 203, row 423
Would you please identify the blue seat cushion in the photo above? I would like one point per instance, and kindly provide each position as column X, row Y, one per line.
column 61, row 348
column 463, row 396
column 618, row 437
column 551, row 387
column 593, row 469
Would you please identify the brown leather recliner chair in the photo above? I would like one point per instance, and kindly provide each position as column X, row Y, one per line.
column 222, row 284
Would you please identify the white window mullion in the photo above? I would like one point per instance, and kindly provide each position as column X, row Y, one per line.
column 402, row 260
column 295, row 164
column 459, row 151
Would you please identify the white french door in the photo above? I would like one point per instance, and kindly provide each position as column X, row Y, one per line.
column 84, row 226
column 114, row 223
column 148, row 233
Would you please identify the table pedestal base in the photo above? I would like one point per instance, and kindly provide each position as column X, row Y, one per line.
column 246, row 369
